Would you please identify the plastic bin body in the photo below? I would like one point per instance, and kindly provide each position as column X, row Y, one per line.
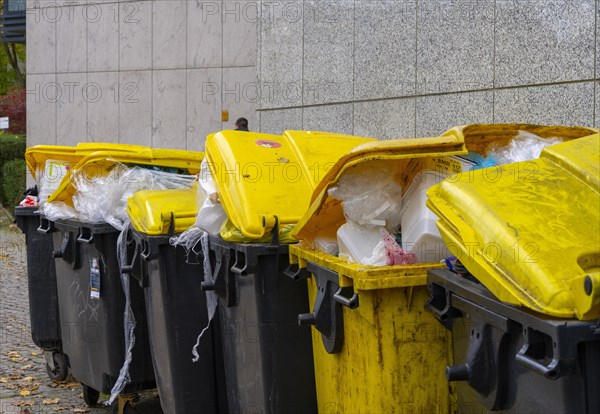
column 268, row 358
column 520, row 361
column 93, row 334
column 41, row 278
column 376, row 349
column 176, row 309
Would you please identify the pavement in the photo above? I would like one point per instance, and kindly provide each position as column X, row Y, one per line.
column 24, row 385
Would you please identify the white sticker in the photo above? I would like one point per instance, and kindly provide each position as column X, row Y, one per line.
column 94, row 278
column 4, row 122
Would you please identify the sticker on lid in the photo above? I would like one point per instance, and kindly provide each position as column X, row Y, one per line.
column 94, row 278
column 267, row 144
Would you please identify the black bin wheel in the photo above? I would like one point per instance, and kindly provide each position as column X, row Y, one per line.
column 90, row 395
column 61, row 370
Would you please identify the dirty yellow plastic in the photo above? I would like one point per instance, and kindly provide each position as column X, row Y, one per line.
column 232, row 234
column 530, row 232
column 151, row 211
column 36, row 156
column 100, row 163
column 483, row 138
column 394, row 353
column 260, row 176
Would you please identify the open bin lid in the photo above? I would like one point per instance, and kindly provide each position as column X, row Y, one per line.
column 36, row 156
column 260, row 176
column 100, row 163
column 152, row 211
column 482, row 138
column 325, row 214
column 530, row 232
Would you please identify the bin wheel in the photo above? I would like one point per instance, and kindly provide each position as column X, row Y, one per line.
column 127, row 408
column 61, row 370
column 90, row 395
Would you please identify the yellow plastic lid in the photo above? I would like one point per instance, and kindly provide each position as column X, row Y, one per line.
column 151, row 211
column 36, row 156
column 530, row 232
column 483, row 137
column 260, row 176
column 100, row 163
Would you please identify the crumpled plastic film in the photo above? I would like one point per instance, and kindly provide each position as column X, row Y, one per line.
column 211, row 297
column 57, row 211
column 129, row 321
column 104, row 198
column 211, row 214
column 371, row 195
column 524, row 147
column 188, row 239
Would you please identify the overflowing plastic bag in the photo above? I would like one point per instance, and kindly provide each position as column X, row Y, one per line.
column 211, row 215
column 104, row 198
column 371, row 196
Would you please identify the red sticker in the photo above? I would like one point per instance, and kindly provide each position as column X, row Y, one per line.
column 267, row 144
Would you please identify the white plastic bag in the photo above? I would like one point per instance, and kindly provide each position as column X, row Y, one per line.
column 371, row 195
column 211, row 215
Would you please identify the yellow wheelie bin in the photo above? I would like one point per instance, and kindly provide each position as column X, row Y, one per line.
column 376, row 348
column 523, row 306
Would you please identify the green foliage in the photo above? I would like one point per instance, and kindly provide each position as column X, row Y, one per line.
column 13, row 182
column 12, row 147
column 8, row 77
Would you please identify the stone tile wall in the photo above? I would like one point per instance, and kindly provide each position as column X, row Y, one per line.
column 150, row 72
column 402, row 68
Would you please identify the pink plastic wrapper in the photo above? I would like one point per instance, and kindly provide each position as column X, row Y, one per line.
column 29, row 201
column 395, row 254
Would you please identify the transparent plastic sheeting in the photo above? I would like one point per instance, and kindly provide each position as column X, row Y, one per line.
column 209, row 220
column 129, row 321
column 104, row 198
column 189, row 239
column 211, row 215
column 366, row 186
column 523, row 147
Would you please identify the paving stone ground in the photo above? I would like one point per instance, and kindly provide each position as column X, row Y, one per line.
column 24, row 385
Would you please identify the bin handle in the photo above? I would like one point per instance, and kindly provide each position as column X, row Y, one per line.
column 46, row 226
column 295, row 272
column 550, row 371
column 85, row 235
column 351, row 302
